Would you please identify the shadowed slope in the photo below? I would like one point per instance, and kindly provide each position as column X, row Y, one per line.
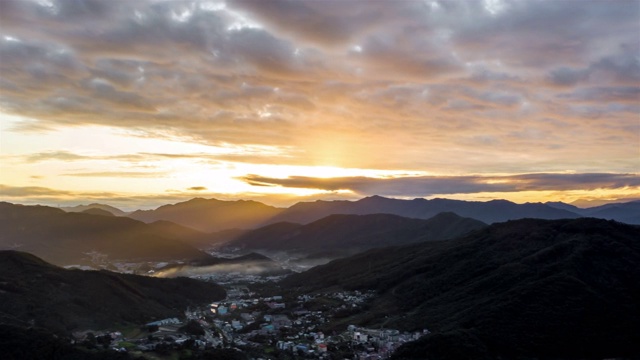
column 525, row 288
column 36, row 292
column 355, row 232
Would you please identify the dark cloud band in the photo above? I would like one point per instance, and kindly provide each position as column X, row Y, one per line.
column 441, row 185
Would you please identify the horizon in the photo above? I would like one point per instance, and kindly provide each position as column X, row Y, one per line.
column 146, row 103
column 76, row 203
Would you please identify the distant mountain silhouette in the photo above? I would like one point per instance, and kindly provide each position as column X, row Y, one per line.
column 488, row 212
column 625, row 212
column 83, row 208
column 209, row 215
column 36, row 293
column 561, row 289
column 353, row 233
column 563, row 206
column 67, row 238
column 97, row 211
column 628, row 212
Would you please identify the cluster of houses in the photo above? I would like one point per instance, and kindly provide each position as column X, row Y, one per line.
column 226, row 279
column 262, row 325
column 379, row 343
column 237, row 323
column 296, row 330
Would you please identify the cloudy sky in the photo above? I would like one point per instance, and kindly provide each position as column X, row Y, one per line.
column 140, row 103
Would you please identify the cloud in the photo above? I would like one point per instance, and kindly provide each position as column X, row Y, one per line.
column 244, row 154
column 567, row 76
column 53, row 155
column 197, row 188
column 449, row 87
column 119, row 174
column 35, row 195
column 542, row 33
column 621, row 67
column 607, row 94
column 326, row 24
column 423, row 186
column 29, row 191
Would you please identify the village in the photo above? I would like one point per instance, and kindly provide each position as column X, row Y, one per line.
column 265, row 327
column 272, row 327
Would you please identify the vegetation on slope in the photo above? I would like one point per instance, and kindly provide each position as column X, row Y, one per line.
column 19, row 343
column 526, row 288
column 43, row 295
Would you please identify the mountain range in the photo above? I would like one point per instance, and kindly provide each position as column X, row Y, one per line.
column 628, row 212
column 348, row 234
column 488, row 212
column 89, row 239
column 72, row 238
column 528, row 288
column 174, row 232
column 211, row 215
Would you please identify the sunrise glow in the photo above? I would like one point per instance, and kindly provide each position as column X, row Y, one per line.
column 462, row 100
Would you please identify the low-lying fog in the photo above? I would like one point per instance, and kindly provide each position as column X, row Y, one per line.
column 245, row 268
column 281, row 264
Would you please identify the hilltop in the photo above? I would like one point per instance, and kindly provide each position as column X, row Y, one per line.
column 209, row 215
column 95, row 206
column 520, row 289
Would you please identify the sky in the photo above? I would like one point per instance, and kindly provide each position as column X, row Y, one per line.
column 142, row 103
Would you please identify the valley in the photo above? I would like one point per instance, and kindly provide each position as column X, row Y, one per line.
column 319, row 180
column 376, row 286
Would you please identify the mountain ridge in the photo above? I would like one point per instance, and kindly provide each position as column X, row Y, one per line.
column 68, row 238
column 83, row 208
column 209, row 215
column 488, row 212
column 213, row 215
column 627, row 212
